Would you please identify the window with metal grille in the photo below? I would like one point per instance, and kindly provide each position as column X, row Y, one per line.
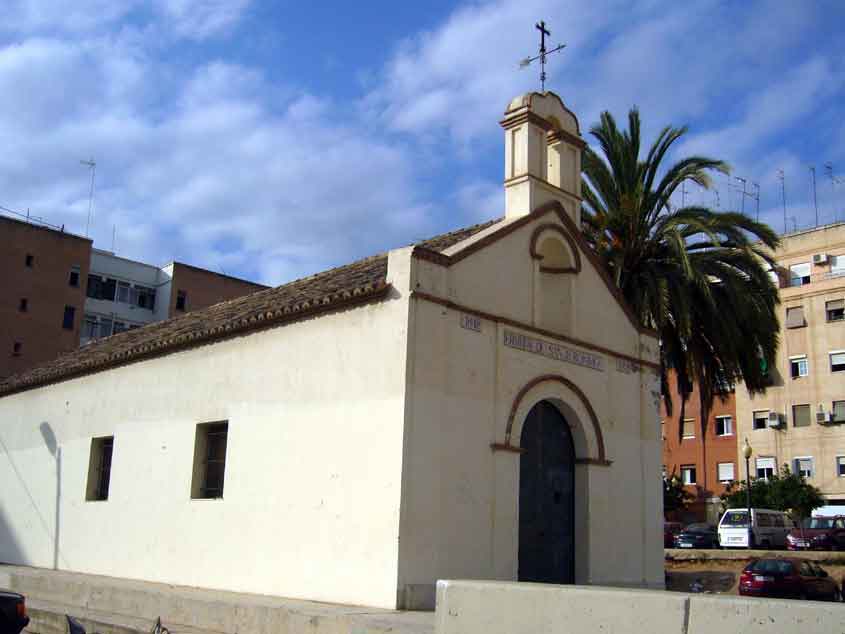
column 209, row 460
column 99, row 469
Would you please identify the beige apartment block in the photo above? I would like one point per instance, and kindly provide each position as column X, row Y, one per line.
column 800, row 420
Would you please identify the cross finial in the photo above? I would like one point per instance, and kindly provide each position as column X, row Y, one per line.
column 541, row 26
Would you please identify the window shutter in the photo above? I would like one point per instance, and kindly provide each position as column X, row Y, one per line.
column 795, row 317
column 837, row 358
column 836, row 304
column 765, row 463
column 689, row 428
column 800, row 270
column 838, row 410
column 726, row 471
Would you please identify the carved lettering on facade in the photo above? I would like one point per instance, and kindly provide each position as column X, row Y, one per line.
column 625, row 366
column 471, row 322
column 553, row 351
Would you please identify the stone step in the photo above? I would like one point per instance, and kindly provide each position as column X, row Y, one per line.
column 184, row 609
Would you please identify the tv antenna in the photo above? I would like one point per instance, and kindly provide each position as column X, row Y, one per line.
column 782, row 179
column 541, row 26
column 93, row 165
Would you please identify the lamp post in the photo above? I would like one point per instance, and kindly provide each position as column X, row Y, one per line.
column 747, row 451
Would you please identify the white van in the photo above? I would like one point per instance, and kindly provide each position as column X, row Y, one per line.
column 769, row 528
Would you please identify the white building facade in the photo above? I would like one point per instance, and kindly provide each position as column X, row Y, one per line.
column 480, row 405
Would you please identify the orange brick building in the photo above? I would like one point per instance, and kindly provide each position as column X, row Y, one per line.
column 704, row 463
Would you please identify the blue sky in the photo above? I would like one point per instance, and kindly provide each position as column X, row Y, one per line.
column 271, row 140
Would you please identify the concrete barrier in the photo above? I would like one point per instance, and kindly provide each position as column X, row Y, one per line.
column 483, row 607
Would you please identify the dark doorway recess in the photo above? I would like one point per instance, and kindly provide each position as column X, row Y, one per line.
column 546, row 498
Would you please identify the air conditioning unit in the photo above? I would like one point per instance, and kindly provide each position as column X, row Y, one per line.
column 820, row 258
column 822, row 418
column 774, row 419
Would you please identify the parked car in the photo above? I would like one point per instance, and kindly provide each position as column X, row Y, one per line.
column 13, row 617
column 670, row 529
column 818, row 533
column 768, row 528
column 789, row 579
column 697, row 536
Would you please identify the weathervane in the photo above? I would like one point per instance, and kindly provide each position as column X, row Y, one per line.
column 541, row 26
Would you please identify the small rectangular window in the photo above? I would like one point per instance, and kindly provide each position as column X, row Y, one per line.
column 688, row 429
column 840, row 466
column 73, row 277
column 839, row 411
column 837, row 361
column 798, row 366
column 17, row 347
column 209, row 460
column 23, row 306
column 765, row 468
column 67, row 321
column 725, row 471
column 803, row 466
column 99, row 468
column 29, row 260
column 123, row 292
column 688, row 474
column 800, row 415
column 761, row 419
column 837, row 265
column 835, row 309
column 724, row 426
column 181, row 300
column 795, row 317
column 799, row 274
column 146, row 297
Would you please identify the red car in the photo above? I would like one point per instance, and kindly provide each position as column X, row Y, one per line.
column 818, row 533
column 788, row 579
column 670, row 530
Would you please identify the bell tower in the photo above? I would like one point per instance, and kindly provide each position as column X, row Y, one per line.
column 543, row 149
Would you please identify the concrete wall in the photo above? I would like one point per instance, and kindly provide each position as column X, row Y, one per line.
column 312, row 485
column 469, row 607
column 460, row 498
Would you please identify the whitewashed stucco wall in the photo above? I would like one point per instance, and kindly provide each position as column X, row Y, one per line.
column 312, row 485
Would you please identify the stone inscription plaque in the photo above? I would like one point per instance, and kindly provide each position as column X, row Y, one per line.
column 553, row 351
column 471, row 322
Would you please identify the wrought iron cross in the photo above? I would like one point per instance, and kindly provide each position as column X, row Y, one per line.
column 541, row 26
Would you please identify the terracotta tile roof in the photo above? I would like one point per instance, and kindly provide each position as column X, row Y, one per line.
column 349, row 285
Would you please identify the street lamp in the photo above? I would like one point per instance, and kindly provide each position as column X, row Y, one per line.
column 747, row 451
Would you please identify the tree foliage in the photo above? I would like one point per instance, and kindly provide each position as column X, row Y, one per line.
column 785, row 491
column 697, row 276
column 675, row 496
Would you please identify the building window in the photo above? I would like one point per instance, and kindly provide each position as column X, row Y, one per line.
column 181, row 300
column 837, row 265
column 800, row 415
column 765, row 468
column 17, row 347
column 837, row 361
column 73, row 278
column 835, row 309
column 99, row 468
column 724, row 426
column 209, row 460
column 840, row 466
column 67, row 322
column 23, row 306
column 798, row 366
column 101, row 288
column 119, row 326
column 146, row 297
column 29, row 260
column 839, row 411
column 761, row 419
column 688, row 474
column 688, row 428
column 803, row 466
column 123, row 292
column 725, row 471
column 795, row 317
column 799, row 274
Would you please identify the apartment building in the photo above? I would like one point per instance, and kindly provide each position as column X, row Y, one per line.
column 706, row 462
column 44, row 272
column 60, row 292
column 800, row 420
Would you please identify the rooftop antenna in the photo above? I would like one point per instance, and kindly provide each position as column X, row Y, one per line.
column 541, row 26
column 834, row 181
column 93, row 165
column 794, row 223
column 782, row 179
column 815, row 200
column 743, row 181
column 757, row 198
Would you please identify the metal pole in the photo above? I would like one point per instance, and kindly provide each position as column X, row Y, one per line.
column 815, row 201
column 748, row 498
column 783, row 196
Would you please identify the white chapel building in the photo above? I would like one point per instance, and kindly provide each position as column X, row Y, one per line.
column 479, row 405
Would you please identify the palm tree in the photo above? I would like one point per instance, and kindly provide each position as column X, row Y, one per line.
column 697, row 276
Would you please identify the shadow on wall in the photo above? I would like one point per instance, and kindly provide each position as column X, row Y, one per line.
column 10, row 549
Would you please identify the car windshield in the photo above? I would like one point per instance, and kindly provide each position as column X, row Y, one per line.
column 735, row 518
column 771, row 566
column 818, row 522
column 698, row 528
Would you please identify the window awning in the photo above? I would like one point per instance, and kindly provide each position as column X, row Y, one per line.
column 795, row 317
